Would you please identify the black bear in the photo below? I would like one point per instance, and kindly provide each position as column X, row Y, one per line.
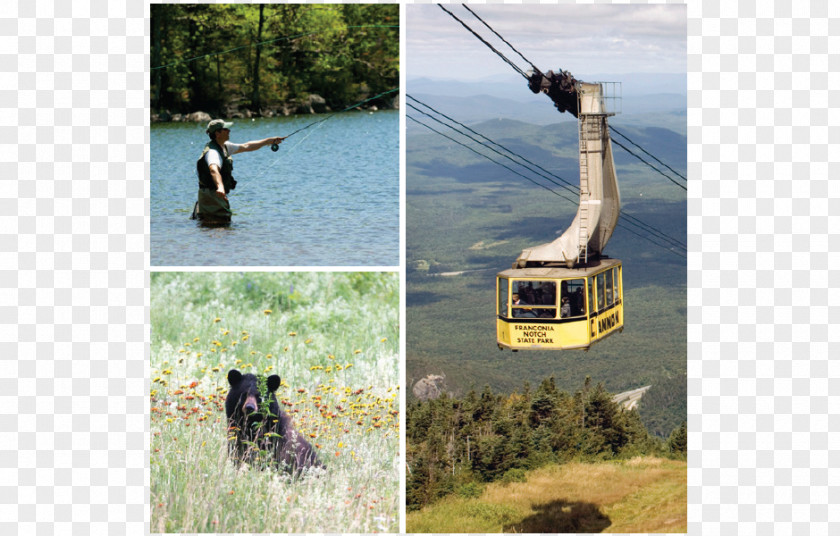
column 263, row 433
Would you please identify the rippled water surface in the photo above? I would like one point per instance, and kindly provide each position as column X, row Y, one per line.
column 328, row 197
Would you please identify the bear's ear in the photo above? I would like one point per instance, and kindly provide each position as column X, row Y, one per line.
column 234, row 377
column 273, row 382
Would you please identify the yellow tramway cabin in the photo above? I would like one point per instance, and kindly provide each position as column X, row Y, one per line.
column 566, row 294
column 559, row 308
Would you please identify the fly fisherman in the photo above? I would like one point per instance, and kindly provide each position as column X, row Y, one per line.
column 215, row 171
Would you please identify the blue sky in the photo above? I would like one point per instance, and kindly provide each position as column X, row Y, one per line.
column 583, row 39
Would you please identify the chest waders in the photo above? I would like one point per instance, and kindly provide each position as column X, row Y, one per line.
column 210, row 207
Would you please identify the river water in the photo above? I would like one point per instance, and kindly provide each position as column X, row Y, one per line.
column 328, row 197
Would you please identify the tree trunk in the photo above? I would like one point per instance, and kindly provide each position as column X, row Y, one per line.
column 156, row 45
column 255, row 99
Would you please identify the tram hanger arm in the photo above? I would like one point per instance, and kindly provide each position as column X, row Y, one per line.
column 561, row 87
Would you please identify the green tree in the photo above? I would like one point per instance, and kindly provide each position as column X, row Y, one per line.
column 678, row 441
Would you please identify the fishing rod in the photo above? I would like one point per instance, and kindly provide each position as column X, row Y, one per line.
column 276, row 146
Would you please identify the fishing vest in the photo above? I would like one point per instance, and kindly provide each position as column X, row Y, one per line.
column 204, row 179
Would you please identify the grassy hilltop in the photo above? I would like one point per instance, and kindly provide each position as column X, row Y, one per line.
column 640, row 495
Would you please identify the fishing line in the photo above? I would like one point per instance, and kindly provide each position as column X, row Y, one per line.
column 320, row 121
column 286, row 153
column 344, row 110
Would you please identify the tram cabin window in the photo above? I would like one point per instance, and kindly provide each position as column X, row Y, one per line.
column 503, row 300
column 599, row 291
column 572, row 291
column 616, row 283
column 533, row 299
column 609, row 287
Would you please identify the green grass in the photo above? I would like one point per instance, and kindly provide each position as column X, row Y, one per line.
column 333, row 339
column 629, row 496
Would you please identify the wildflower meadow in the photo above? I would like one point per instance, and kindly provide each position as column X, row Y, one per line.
column 333, row 338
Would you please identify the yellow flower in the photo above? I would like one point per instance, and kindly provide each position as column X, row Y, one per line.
column 357, row 351
column 267, row 311
column 217, row 320
column 292, row 333
column 383, row 339
column 268, row 356
column 307, row 341
column 330, row 356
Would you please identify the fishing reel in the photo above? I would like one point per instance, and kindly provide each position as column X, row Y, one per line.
column 274, row 147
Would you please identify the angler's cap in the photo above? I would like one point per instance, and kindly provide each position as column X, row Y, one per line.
column 217, row 124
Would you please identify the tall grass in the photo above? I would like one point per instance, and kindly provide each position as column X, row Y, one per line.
column 333, row 339
column 629, row 496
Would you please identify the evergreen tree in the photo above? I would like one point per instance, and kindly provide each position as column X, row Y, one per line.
column 678, row 442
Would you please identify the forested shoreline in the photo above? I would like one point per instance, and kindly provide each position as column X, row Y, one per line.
column 456, row 445
column 262, row 60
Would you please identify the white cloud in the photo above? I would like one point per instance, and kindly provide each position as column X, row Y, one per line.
column 583, row 39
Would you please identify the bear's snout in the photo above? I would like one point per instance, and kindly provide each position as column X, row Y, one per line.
column 250, row 405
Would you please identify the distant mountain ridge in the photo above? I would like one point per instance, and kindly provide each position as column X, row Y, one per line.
column 505, row 97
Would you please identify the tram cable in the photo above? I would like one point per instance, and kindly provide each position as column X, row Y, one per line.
column 632, row 219
column 504, row 58
column 647, row 153
column 575, row 190
column 650, row 165
column 536, row 70
column 534, row 67
column 569, row 186
column 491, row 159
column 649, row 229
